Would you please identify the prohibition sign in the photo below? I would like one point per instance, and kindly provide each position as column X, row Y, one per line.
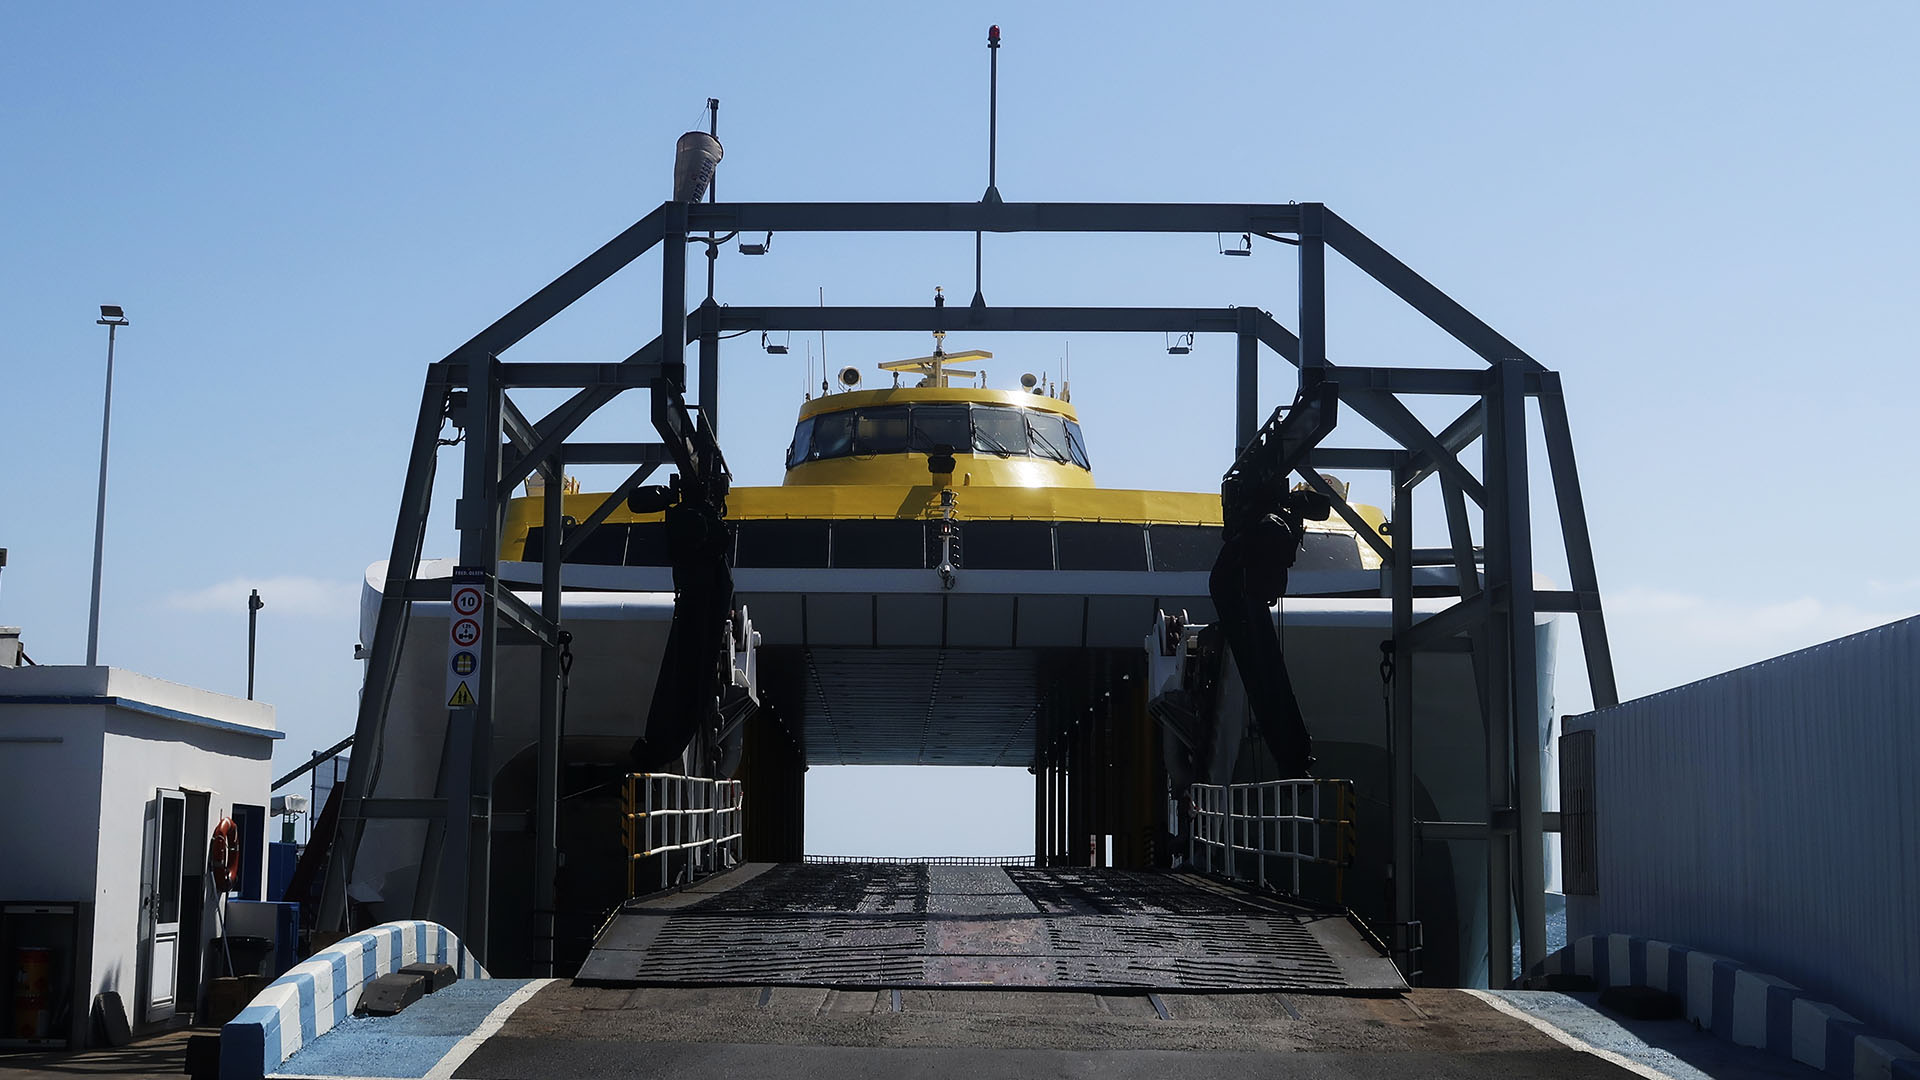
column 465, row 632
column 466, row 600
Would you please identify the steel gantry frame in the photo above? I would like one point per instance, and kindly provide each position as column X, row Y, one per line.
column 1493, row 616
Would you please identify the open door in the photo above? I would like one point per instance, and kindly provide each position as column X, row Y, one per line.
column 160, row 904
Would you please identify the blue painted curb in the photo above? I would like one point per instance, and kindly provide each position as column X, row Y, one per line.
column 1737, row 1003
column 313, row 996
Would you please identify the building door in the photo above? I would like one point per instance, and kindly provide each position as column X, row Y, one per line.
column 160, row 904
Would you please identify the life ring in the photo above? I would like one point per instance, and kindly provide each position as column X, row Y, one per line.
column 223, row 855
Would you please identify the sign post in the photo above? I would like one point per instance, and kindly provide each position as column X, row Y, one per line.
column 463, row 637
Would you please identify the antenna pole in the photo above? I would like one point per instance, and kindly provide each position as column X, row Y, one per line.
column 993, row 150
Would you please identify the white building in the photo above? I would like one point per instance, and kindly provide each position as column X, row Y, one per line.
column 111, row 785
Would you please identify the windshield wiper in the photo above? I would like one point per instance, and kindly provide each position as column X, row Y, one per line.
column 1053, row 451
column 996, row 447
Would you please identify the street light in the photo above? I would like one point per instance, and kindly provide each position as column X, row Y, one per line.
column 113, row 318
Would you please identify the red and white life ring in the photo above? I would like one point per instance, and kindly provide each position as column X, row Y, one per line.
column 223, row 855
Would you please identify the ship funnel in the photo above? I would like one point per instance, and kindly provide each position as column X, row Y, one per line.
column 694, row 159
column 849, row 377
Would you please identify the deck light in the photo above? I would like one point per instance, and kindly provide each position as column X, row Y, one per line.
column 1181, row 345
column 773, row 348
column 1245, row 248
column 757, row 249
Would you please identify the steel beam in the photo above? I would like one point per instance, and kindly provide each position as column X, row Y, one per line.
column 617, row 453
column 613, row 501
column 1439, row 308
column 1352, row 517
column 1579, row 545
column 1071, row 320
column 1455, row 437
column 969, row 217
column 390, row 627
column 1447, row 622
column 630, row 374
column 1383, row 411
column 1330, row 457
column 583, row 278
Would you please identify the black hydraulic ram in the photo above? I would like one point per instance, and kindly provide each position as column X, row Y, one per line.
column 1263, row 519
column 686, row 695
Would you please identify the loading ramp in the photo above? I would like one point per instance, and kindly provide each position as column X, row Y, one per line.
column 922, row 926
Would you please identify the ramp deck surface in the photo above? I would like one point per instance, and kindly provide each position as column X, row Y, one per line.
column 914, row 925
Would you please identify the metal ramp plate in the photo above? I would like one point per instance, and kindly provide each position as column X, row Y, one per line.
column 916, row 925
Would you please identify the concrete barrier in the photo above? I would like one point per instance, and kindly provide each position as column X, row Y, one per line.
column 1744, row 1006
column 320, row 992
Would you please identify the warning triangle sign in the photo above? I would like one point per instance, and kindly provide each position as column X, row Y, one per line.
column 462, row 698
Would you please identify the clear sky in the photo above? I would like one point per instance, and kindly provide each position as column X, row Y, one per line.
column 1701, row 214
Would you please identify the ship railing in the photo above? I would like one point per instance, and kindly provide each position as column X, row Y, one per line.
column 667, row 813
column 1301, row 823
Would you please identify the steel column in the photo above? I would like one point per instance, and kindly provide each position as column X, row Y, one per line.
column 1246, row 391
column 673, row 295
column 1500, row 719
column 1400, row 743
column 1525, row 665
column 1313, row 292
column 546, row 805
column 707, row 317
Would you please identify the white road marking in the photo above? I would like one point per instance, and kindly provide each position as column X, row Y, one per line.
column 495, row 1020
column 461, row 1051
column 1502, row 1005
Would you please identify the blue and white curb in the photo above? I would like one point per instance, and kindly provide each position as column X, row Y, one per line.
column 1744, row 1006
column 313, row 996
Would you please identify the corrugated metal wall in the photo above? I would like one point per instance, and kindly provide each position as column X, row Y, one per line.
column 1772, row 814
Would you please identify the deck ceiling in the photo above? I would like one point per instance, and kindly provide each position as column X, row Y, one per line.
column 929, row 706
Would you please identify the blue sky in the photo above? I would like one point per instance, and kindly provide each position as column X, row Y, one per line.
column 1700, row 214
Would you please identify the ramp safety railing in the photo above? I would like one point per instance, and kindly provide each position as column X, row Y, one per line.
column 1303, row 822
column 668, row 813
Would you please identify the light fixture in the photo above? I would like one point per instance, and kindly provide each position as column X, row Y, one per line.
column 757, row 249
column 1245, row 248
column 1181, row 345
column 772, row 348
column 112, row 315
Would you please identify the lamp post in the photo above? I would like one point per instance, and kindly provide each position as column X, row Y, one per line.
column 113, row 318
column 254, row 604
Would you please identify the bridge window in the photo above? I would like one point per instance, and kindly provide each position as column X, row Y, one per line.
column 1087, row 545
column 879, row 545
column 1184, row 547
column 605, row 546
column 647, row 544
column 1077, row 446
column 781, row 544
column 1047, row 435
column 833, row 435
column 802, row 447
column 937, row 426
column 1006, row 545
column 881, row 431
column 999, row 431
column 1328, row 551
